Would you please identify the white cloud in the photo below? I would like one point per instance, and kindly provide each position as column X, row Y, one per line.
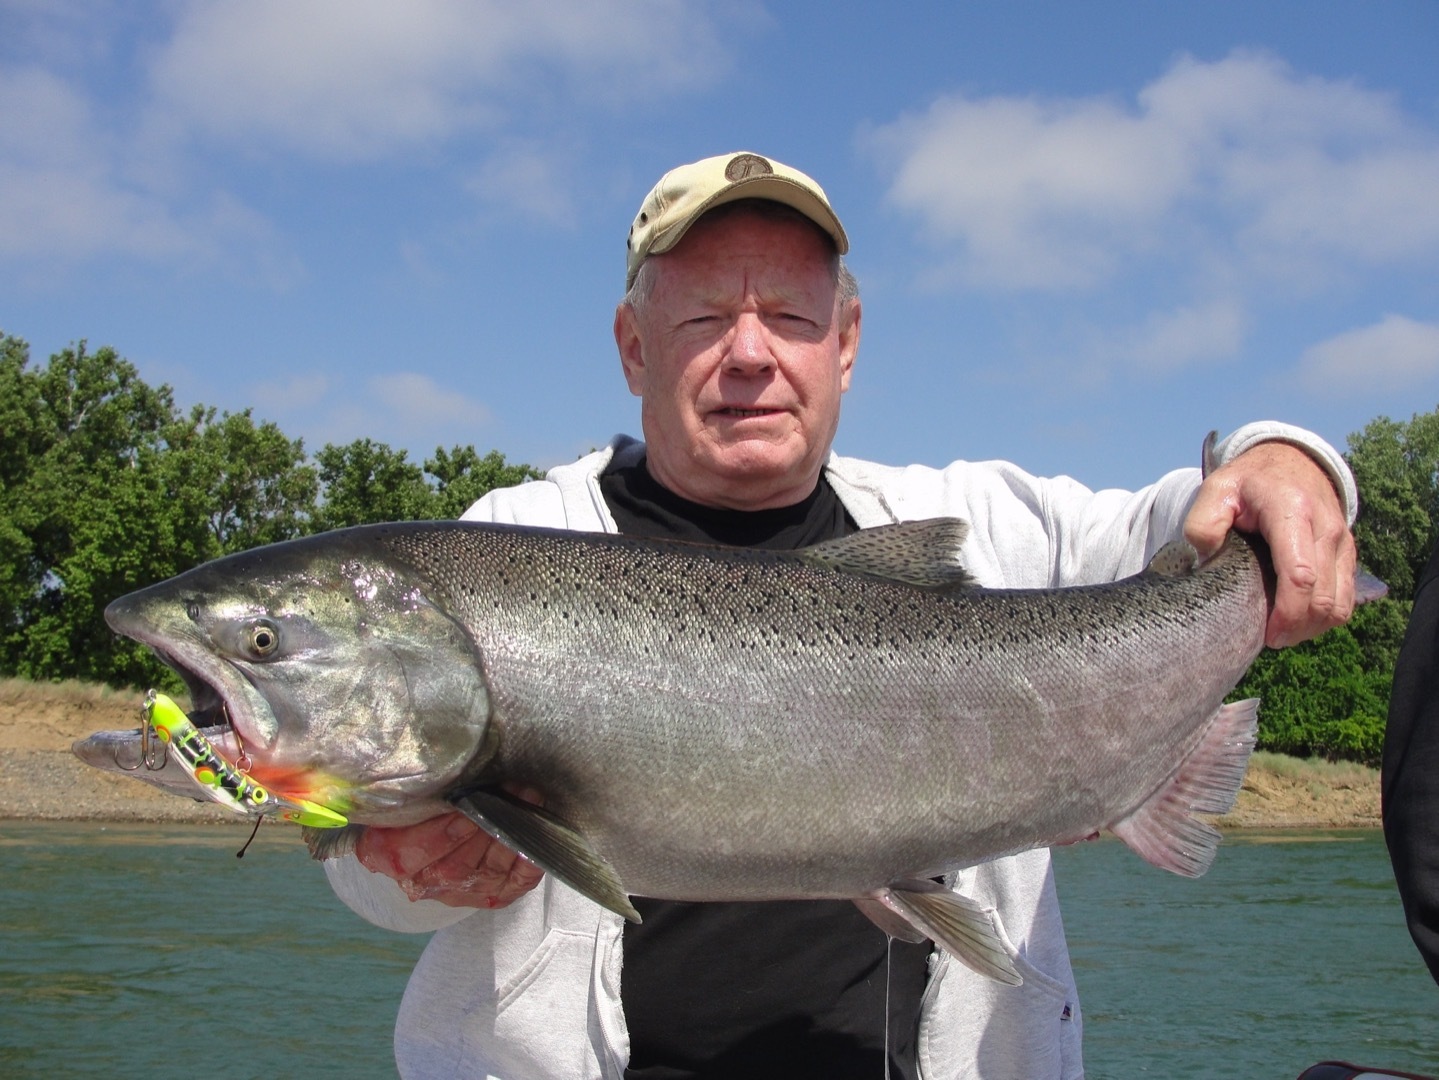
column 1187, row 336
column 1395, row 354
column 68, row 193
column 360, row 79
column 1241, row 157
column 292, row 395
column 93, row 165
column 531, row 179
column 1032, row 192
column 416, row 402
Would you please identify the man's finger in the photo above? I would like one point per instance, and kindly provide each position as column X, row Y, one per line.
column 400, row 853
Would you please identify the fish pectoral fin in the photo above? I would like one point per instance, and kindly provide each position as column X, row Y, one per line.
column 924, row 554
column 893, row 924
column 1162, row 830
column 330, row 843
column 971, row 934
column 554, row 846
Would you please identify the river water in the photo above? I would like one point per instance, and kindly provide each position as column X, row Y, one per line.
column 152, row 952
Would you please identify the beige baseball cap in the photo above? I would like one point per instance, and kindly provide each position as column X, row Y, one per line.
column 684, row 194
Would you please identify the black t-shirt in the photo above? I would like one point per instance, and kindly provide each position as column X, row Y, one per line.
column 781, row 989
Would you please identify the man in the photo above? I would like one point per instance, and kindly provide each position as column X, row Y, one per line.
column 738, row 332
column 1411, row 768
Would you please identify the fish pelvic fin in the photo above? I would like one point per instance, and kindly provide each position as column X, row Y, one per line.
column 892, row 923
column 1163, row 830
column 924, row 554
column 973, row 935
column 553, row 845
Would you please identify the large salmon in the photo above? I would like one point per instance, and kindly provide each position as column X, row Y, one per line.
column 852, row 720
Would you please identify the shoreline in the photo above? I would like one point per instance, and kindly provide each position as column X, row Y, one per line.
column 40, row 780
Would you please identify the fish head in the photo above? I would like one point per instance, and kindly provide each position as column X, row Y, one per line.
column 325, row 666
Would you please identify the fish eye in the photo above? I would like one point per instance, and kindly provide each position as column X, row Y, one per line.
column 264, row 638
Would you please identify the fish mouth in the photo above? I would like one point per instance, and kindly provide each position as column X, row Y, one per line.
column 127, row 751
column 230, row 712
column 209, row 709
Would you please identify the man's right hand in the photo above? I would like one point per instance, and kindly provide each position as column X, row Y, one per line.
column 450, row 859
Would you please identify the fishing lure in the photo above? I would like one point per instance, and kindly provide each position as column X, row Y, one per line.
column 224, row 783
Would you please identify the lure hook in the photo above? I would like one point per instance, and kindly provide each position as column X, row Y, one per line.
column 152, row 750
column 243, row 761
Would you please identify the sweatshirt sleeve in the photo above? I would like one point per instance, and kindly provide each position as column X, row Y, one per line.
column 1041, row 532
column 379, row 900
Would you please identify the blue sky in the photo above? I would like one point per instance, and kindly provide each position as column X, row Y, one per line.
column 1085, row 233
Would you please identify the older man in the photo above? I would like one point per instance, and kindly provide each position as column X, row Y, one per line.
column 739, row 331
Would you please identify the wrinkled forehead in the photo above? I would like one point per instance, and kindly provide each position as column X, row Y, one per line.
column 738, row 253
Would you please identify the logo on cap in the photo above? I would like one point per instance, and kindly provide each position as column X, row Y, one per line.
column 745, row 166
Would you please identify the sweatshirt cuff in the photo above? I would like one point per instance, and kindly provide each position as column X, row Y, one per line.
column 1329, row 459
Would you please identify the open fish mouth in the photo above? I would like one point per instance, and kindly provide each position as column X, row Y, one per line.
column 140, row 753
column 208, row 708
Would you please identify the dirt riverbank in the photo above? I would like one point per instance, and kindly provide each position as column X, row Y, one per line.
column 41, row 780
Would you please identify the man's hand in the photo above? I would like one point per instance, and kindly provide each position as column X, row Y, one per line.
column 1279, row 492
column 449, row 859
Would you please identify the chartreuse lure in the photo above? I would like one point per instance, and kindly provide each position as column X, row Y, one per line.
column 223, row 782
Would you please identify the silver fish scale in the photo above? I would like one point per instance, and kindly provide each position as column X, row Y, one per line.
column 825, row 732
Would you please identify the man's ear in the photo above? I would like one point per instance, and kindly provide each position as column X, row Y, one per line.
column 849, row 326
column 631, row 348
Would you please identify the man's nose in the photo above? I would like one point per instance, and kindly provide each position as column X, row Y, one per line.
column 749, row 350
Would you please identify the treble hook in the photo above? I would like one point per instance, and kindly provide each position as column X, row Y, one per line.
column 152, row 750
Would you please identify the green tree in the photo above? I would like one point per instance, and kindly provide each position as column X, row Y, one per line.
column 82, row 437
column 247, row 482
column 1396, row 465
column 462, row 476
column 366, row 482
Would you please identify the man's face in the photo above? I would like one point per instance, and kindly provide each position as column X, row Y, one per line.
column 739, row 357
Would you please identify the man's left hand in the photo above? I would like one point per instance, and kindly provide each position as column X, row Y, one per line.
column 1281, row 493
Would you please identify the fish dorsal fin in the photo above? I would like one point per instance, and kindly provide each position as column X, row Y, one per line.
column 924, row 554
column 1175, row 559
column 1209, row 455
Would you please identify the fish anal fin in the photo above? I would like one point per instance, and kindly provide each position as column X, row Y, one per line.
column 971, row 934
column 1163, row 829
column 550, row 843
column 924, row 554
